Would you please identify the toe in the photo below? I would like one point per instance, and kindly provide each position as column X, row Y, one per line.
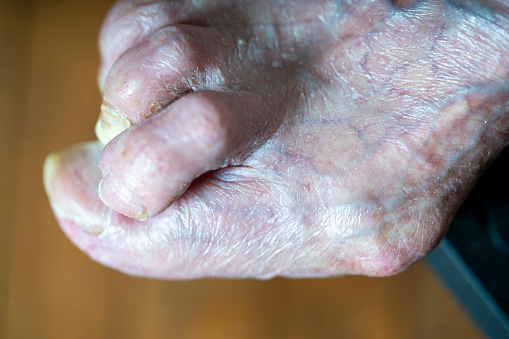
column 78, row 202
column 165, row 65
column 147, row 167
column 127, row 23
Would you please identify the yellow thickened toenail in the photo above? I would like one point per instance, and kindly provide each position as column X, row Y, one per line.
column 50, row 165
column 110, row 124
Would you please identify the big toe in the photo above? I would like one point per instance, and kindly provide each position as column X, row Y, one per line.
column 70, row 179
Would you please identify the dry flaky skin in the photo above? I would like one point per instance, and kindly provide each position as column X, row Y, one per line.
column 346, row 134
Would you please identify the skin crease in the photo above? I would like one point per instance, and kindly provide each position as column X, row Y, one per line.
column 345, row 135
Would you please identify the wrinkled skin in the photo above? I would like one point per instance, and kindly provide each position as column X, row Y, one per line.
column 286, row 138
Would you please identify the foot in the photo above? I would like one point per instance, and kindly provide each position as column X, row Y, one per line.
column 301, row 139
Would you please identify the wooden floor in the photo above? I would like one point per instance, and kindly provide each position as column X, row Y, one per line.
column 49, row 289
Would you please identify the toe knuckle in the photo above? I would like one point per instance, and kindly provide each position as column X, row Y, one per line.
column 209, row 126
column 130, row 21
column 180, row 44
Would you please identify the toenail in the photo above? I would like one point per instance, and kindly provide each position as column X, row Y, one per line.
column 50, row 165
column 130, row 203
column 111, row 123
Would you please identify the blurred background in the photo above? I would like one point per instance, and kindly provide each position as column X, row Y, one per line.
column 49, row 289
